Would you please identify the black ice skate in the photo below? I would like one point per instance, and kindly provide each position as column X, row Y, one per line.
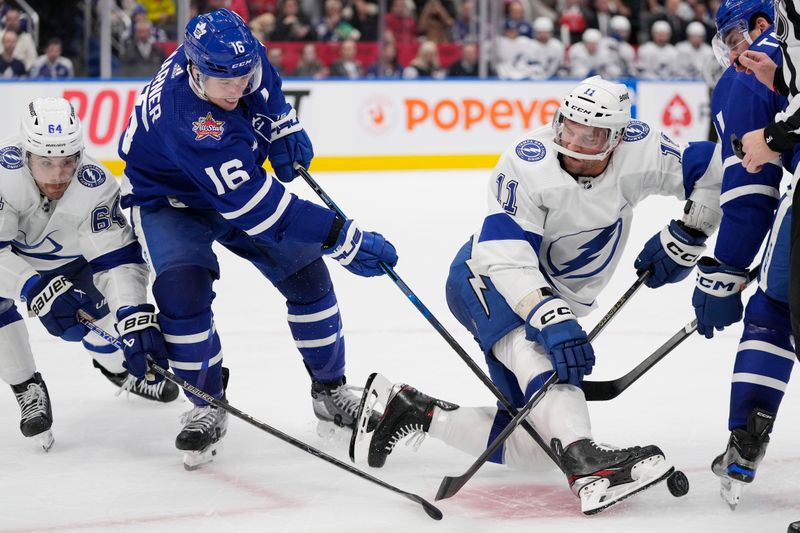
column 737, row 465
column 163, row 391
column 408, row 412
column 602, row 476
column 37, row 415
column 335, row 403
column 203, row 428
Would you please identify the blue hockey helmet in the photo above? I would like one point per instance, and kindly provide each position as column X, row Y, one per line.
column 735, row 19
column 220, row 45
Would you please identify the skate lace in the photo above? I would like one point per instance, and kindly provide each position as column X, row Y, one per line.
column 417, row 433
column 33, row 401
column 201, row 419
column 347, row 398
column 132, row 383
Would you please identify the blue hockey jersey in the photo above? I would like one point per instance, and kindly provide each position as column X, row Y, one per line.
column 739, row 104
column 184, row 151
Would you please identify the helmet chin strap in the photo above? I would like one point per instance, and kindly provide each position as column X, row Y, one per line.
column 587, row 157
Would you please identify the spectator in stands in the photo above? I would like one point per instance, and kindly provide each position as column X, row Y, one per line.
column 347, row 65
column 675, row 13
column 25, row 49
column 141, row 58
column 401, row 22
column 465, row 26
column 237, row 6
column 387, row 66
column 702, row 14
column 4, row 7
column 364, row 18
column 52, row 65
column 275, row 57
column 435, row 23
column 309, row 65
column 548, row 50
column 139, row 14
column 658, row 59
column 693, row 53
column 574, row 16
column 259, row 7
column 617, row 43
column 589, row 57
column 425, row 64
column 10, row 66
column 467, row 66
column 516, row 57
column 263, row 26
column 293, row 24
column 516, row 14
column 160, row 12
column 333, row 27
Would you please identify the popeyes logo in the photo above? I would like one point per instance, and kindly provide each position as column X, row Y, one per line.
column 676, row 115
column 208, row 127
column 465, row 114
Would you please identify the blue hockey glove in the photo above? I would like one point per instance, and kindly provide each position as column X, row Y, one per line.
column 56, row 302
column 288, row 144
column 552, row 325
column 717, row 298
column 141, row 338
column 670, row 254
column 360, row 252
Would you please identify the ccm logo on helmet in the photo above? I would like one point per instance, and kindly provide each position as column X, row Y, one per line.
column 242, row 64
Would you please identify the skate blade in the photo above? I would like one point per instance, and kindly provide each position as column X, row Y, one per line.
column 598, row 495
column 46, row 440
column 377, row 392
column 194, row 460
column 731, row 491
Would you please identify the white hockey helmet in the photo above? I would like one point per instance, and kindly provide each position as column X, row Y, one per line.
column 50, row 128
column 619, row 24
column 661, row 26
column 696, row 29
column 603, row 106
column 543, row 24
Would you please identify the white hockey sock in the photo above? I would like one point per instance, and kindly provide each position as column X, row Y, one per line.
column 101, row 351
column 562, row 414
column 16, row 362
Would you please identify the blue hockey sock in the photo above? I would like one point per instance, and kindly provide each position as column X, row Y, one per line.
column 317, row 331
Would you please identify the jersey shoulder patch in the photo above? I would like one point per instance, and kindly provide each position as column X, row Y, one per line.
column 91, row 176
column 11, row 157
column 636, row 131
column 531, row 150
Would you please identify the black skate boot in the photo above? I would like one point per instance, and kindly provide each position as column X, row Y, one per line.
column 602, row 476
column 408, row 412
column 163, row 391
column 203, row 428
column 37, row 415
column 335, row 402
column 737, row 465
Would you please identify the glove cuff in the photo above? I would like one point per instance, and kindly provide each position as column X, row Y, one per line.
column 348, row 244
column 680, row 246
column 719, row 280
column 43, row 300
column 136, row 318
column 550, row 311
column 283, row 125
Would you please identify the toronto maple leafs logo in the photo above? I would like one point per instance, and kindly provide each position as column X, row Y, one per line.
column 531, row 150
column 11, row 157
column 199, row 30
column 91, row 176
column 584, row 254
column 636, row 131
column 207, row 127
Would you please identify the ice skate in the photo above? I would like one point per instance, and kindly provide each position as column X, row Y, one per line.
column 203, row 428
column 737, row 465
column 163, row 391
column 335, row 405
column 36, row 413
column 602, row 476
column 408, row 412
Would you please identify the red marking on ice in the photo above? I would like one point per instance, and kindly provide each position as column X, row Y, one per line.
column 519, row 502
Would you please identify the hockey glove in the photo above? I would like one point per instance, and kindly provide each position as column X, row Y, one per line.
column 141, row 338
column 288, row 144
column 670, row 254
column 361, row 252
column 56, row 302
column 552, row 325
column 717, row 298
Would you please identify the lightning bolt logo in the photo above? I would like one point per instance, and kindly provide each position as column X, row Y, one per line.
column 478, row 285
column 595, row 254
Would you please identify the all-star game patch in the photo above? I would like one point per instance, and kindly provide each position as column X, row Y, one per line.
column 207, row 127
column 91, row 176
column 11, row 157
column 531, row 150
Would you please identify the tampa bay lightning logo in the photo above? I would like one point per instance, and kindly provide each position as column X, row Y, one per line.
column 636, row 131
column 11, row 157
column 47, row 248
column 91, row 176
column 531, row 150
column 594, row 248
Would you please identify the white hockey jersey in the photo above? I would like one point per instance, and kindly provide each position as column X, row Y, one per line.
column 692, row 61
column 37, row 234
column 657, row 62
column 547, row 229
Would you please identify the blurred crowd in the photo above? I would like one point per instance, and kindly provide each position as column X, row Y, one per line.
column 528, row 39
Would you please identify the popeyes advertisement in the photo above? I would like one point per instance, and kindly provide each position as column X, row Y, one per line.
column 347, row 120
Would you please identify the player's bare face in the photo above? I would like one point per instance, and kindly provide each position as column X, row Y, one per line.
column 226, row 92
column 53, row 174
column 583, row 140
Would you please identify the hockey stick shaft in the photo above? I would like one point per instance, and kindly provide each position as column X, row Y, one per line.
column 633, row 289
column 600, row 391
column 433, row 321
column 429, row 508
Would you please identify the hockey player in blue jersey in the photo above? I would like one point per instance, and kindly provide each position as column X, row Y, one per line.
column 194, row 149
column 752, row 208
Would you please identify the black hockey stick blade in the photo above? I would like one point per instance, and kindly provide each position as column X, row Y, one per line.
column 450, row 486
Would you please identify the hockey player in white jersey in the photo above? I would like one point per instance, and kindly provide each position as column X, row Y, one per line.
column 548, row 49
column 617, row 43
column 658, row 58
column 65, row 248
column 693, row 53
column 560, row 207
column 591, row 57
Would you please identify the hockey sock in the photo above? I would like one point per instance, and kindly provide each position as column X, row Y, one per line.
column 16, row 363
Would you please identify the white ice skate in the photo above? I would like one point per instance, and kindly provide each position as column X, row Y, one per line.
column 374, row 399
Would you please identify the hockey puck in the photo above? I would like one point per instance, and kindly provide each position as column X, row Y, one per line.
column 678, row 484
column 794, row 527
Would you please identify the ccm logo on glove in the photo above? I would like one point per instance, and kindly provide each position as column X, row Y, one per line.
column 552, row 312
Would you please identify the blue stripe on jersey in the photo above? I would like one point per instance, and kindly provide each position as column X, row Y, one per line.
column 501, row 420
column 10, row 316
column 696, row 158
column 4, row 244
column 128, row 254
column 501, row 227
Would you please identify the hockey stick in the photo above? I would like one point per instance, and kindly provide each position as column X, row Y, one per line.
column 429, row 508
column 600, row 391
